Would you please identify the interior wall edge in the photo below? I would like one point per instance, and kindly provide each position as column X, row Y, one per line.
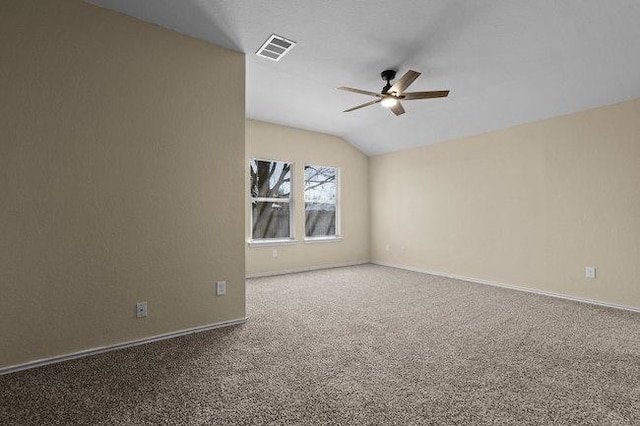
column 121, row 180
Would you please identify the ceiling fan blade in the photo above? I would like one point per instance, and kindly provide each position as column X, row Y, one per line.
column 362, row 92
column 404, row 82
column 397, row 109
column 425, row 95
column 363, row 105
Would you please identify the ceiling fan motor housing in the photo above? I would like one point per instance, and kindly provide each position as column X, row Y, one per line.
column 388, row 75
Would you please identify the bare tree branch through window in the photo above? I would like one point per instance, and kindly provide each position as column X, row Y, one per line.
column 321, row 196
column 270, row 199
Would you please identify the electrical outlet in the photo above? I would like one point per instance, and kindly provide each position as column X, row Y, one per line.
column 221, row 288
column 141, row 309
column 274, row 253
column 590, row 272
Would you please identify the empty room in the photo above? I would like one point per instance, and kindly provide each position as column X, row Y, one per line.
column 296, row 212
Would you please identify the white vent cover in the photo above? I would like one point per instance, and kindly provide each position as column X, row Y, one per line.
column 275, row 47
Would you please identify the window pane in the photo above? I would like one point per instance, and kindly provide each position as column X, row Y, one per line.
column 320, row 184
column 270, row 220
column 270, row 179
column 320, row 219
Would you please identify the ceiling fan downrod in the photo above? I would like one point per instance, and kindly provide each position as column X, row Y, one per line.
column 387, row 75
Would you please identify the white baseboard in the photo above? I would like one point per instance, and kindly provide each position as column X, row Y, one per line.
column 307, row 269
column 109, row 348
column 510, row 286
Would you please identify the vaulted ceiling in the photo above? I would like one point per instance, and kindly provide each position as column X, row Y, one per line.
column 505, row 62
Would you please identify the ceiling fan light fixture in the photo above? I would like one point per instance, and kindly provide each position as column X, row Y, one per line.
column 389, row 102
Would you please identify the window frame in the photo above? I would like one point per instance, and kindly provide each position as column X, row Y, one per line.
column 336, row 203
column 256, row 242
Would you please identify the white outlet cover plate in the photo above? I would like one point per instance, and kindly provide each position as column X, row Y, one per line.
column 590, row 272
column 141, row 309
column 221, row 288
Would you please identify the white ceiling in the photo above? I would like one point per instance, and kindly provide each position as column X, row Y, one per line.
column 506, row 62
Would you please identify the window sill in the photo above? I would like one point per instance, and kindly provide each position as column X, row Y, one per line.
column 313, row 240
column 270, row 243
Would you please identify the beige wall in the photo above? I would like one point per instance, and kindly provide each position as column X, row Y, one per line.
column 273, row 142
column 124, row 178
column 531, row 205
column 121, row 179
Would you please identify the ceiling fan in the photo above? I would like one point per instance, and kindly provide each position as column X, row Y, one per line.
column 391, row 95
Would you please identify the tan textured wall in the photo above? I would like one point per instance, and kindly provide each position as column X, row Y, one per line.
column 531, row 205
column 270, row 141
column 121, row 179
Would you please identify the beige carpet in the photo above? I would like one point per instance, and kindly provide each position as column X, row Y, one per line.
column 364, row 345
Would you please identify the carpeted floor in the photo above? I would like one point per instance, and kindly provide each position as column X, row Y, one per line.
column 364, row 345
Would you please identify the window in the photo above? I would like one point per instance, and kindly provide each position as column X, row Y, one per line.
column 321, row 201
column 270, row 200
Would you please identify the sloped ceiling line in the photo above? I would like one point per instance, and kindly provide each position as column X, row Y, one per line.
column 506, row 63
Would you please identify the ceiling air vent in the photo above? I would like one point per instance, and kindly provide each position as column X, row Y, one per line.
column 275, row 47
